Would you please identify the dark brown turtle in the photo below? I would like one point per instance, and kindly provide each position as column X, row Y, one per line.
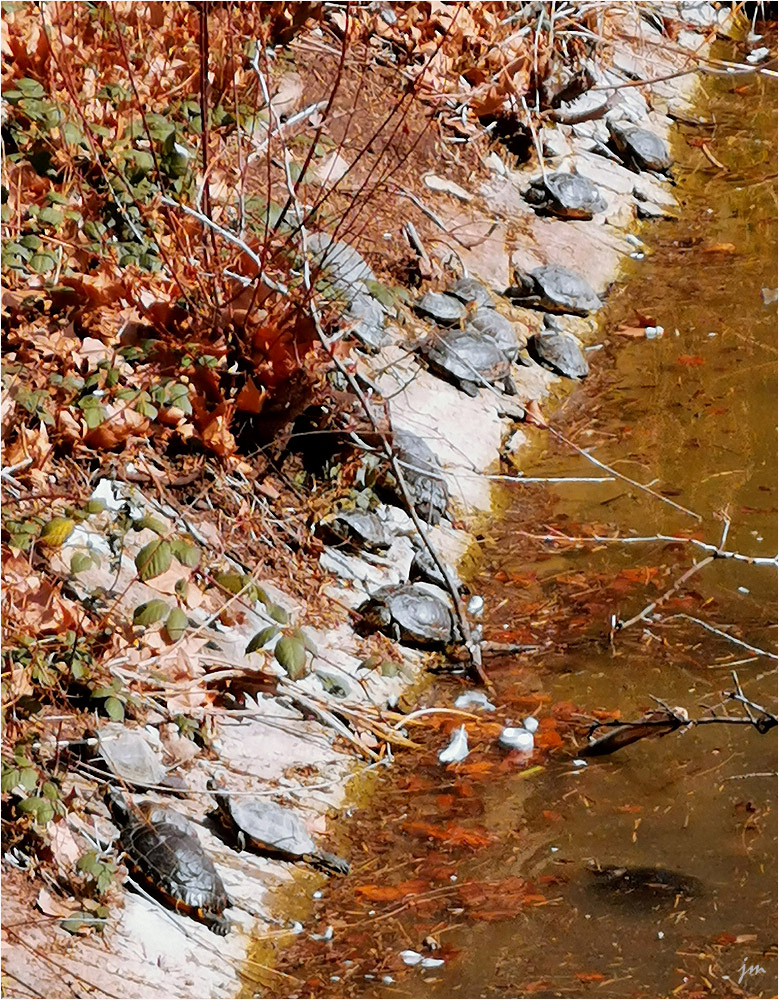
column 163, row 852
column 643, row 884
column 639, row 148
column 468, row 359
column 569, row 196
column 412, row 613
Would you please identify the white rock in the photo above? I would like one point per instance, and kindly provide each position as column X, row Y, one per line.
column 411, row 957
column 432, row 963
column 531, row 724
column 476, row 605
column 457, row 749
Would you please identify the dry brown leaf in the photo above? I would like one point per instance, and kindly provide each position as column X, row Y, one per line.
column 120, row 425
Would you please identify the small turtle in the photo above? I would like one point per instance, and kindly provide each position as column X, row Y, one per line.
column 553, row 289
column 363, row 528
column 490, row 323
column 569, row 196
column 445, row 309
column 639, row 148
column 557, row 350
column 423, row 475
column 470, row 290
column 163, row 851
column 266, row 827
column 412, row 613
column 468, row 359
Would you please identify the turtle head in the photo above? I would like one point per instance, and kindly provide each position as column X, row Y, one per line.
column 117, row 804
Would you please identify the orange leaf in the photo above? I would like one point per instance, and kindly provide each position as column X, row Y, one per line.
column 590, row 977
column 630, row 809
column 691, row 360
column 389, row 893
column 552, row 816
column 251, row 399
column 533, row 414
column 451, row 834
column 631, row 331
column 720, row 248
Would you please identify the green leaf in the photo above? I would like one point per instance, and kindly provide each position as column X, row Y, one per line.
column 114, row 709
column 389, row 669
column 233, row 583
column 29, row 778
column 263, row 636
column 81, row 561
column 31, row 242
column 72, row 133
column 291, row 655
column 176, row 624
column 153, row 559
column 30, row 88
column 152, row 523
column 277, row 613
column 150, row 612
column 306, row 639
column 95, row 506
column 187, row 555
column 39, row 808
column 10, row 779
column 50, row 217
column 42, row 263
column 57, row 531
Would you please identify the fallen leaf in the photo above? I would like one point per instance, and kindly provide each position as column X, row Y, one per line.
column 451, row 834
column 389, row 893
column 590, row 977
column 631, row 331
column 120, row 425
column 533, row 414
column 690, row 360
column 720, row 248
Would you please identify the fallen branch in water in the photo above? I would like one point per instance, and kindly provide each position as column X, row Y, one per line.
column 666, row 719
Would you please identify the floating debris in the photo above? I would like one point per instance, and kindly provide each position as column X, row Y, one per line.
column 457, row 749
column 411, row 957
column 531, row 723
column 516, row 739
column 432, row 963
column 474, row 699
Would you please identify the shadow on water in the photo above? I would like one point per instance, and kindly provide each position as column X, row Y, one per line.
column 510, row 868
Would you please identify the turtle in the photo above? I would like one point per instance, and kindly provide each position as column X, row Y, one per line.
column 267, row 827
column 163, row 851
column 639, row 148
column 554, row 289
column 557, row 350
column 412, row 613
column 468, row 359
column 646, row 883
column 490, row 323
column 569, row 196
column 363, row 528
column 423, row 476
column 445, row 309
column 470, row 290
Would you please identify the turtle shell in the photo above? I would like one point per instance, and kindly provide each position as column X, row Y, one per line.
column 569, row 196
column 162, row 849
column 639, row 148
column 423, row 475
column 467, row 358
column 490, row 323
column 560, row 352
column 470, row 290
column 554, row 289
column 418, row 615
column 267, row 827
column 441, row 307
column 364, row 528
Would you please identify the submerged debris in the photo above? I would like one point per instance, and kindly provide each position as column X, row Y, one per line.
column 457, row 749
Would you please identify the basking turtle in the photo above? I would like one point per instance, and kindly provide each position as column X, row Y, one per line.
column 364, row 529
column 412, row 613
column 445, row 309
column 639, row 148
column 266, row 827
column 163, row 851
column 490, row 323
column 468, row 359
column 557, row 350
column 569, row 196
column 470, row 290
column 423, row 475
column 553, row 289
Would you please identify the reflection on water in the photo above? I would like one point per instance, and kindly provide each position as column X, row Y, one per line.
column 494, row 861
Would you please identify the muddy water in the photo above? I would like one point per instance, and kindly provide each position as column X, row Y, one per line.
column 486, row 865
